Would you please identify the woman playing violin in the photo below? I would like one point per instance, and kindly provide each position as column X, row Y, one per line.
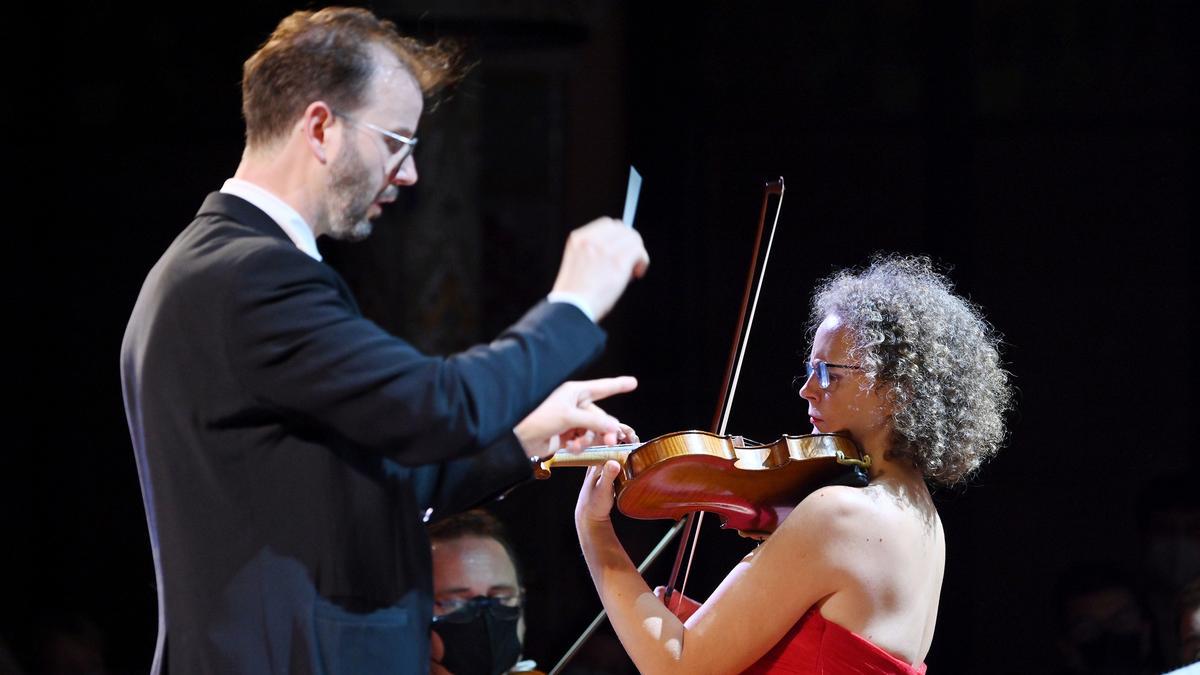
column 849, row 581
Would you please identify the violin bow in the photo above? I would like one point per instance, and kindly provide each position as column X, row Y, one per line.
column 733, row 370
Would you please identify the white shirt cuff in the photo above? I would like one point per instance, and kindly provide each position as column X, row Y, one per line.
column 572, row 299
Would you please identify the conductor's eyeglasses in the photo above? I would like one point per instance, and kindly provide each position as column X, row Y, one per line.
column 398, row 147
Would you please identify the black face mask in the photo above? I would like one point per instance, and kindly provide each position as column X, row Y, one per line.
column 481, row 638
column 1113, row 652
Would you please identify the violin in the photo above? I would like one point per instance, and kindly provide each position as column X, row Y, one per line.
column 752, row 488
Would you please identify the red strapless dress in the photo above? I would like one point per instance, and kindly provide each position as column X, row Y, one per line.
column 817, row 646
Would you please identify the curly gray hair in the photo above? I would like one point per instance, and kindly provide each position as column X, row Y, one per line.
column 934, row 357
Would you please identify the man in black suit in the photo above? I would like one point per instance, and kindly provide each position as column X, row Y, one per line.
column 289, row 449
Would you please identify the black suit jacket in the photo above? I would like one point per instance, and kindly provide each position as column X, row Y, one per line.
column 288, row 450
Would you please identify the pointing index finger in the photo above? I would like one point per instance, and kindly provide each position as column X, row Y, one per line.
column 604, row 387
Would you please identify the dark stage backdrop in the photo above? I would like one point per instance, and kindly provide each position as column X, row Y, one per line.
column 1040, row 151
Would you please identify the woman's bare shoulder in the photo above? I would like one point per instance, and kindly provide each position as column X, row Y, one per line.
column 840, row 520
column 837, row 505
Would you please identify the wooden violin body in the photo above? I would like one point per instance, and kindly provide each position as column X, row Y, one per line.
column 752, row 488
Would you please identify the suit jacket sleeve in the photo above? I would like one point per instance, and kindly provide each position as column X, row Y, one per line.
column 300, row 347
column 464, row 483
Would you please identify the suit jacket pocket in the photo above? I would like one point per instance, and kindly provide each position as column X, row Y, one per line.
column 382, row 641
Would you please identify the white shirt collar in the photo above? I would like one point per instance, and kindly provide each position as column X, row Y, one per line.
column 288, row 219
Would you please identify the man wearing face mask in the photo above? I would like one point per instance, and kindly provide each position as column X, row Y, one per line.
column 478, row 617
column 1105, row 628
column 1169, row 543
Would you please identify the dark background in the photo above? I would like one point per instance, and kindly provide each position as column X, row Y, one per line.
column 1041, row 152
